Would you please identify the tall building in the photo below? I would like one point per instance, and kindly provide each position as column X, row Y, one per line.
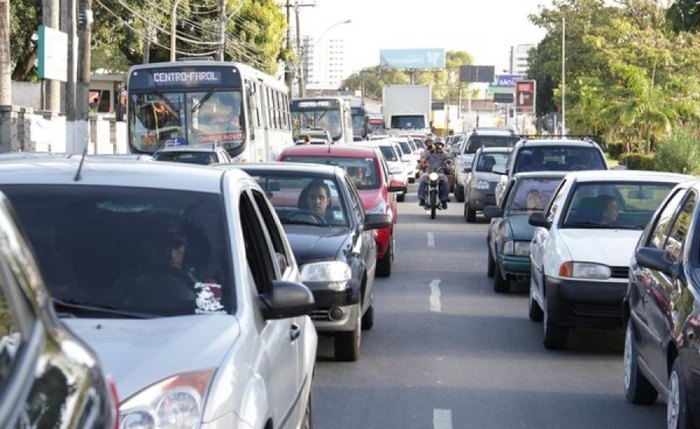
column 324, row 63
column 518, row 58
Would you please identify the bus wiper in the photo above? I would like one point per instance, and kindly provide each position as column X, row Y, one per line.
column 73, row 304
column 206, row 97
column 168, row 102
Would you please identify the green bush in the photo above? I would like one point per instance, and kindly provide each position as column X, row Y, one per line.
column 615, row 149
column 637, row 161
column 679, row 152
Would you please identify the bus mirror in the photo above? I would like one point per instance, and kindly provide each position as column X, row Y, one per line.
column 250, row 87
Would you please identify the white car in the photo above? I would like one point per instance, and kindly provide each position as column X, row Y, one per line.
column 397, row 169
column 582, row 246
column 193, row 154
column 409, row 156
column 181, row 279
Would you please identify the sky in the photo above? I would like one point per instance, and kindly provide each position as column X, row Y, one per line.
column 484, row 28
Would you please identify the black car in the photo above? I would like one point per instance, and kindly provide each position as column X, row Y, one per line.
column 333, row 241
column 662, row 310
column 48, row 377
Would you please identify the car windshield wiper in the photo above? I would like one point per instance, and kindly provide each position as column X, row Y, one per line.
column 73, row 304
column 301, row 222
column 584, row 224
column 204, row 99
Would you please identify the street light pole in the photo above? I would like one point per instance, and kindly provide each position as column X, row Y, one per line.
column 563, row 75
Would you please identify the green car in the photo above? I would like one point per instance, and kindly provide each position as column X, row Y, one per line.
column 509, row 233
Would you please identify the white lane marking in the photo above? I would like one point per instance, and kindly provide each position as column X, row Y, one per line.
column 431, row 240
column 442, row 419
column 435, row 304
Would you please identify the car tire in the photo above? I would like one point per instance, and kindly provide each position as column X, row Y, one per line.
column 490, row 264
column 678, row 414
column 638, row 389
column 347, row 344
column 412, row 179
column 368, row 319
column 459, row 193
column 384, row 264
column 401, row 196
column 554, row 336
column 500, row 284
column 469, row 214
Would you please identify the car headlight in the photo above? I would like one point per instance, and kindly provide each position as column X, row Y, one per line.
column 519, row 248
column 584, row 270
column 336, row 273
column 174, row 403
column 481, row 185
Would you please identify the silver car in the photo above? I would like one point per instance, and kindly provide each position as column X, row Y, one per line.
column 182, row 280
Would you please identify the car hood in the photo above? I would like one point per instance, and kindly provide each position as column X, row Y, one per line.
column 137, row 353
column 370, row 198
column 612, row 247
column 519, row 226
column 315, row 243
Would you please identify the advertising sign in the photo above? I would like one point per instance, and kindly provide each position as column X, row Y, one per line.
column 476, row 73
column 412, row 58
column 525, row 96
column 52, row 55
column 508, row 80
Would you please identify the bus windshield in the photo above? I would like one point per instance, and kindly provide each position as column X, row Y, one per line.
column 159, row 119
column 310, row 114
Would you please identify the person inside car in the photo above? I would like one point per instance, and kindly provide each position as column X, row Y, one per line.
column 434, row 160
column 357, row 174
column 534, row 200
column 608, row 209
column 316, row 198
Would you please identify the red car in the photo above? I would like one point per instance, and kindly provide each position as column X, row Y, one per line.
column 376, row 189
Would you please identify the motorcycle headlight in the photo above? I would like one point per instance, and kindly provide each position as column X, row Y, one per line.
column 518, row 248
column 336, row 273
column 433, row 176
column 584, row 270
column 174, row 403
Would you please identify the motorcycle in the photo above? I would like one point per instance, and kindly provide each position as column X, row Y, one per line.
column 432, row 193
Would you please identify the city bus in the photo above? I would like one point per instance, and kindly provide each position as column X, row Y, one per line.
column 362, row 112
column 329, row 113
column 233, row 105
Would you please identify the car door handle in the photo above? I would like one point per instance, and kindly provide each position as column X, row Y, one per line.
column 294, row 331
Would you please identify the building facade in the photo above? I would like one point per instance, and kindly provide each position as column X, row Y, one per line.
column 324, row 63
column 518, row 58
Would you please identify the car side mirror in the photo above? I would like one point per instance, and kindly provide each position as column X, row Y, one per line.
column 286, row 299
column 376, row 221
column 538, row 219
column 491, row 212
column 657, row 260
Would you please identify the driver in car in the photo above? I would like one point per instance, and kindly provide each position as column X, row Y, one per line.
column 316, row 198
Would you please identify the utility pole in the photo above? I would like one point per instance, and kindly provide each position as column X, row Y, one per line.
column 223, row 19
column 300, row 74
column 288, row 66
column 68, row 26
column 83, row 82
column 5, row 78
column 147, row 45
column 173, row 29
column 50, row 18
column 563, row 75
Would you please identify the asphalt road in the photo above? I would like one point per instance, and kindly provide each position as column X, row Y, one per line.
column 447, row 352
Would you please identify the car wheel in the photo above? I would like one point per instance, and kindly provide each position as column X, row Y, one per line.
column 459, row 194
column 469, row 214
column 412, row 179
column 384, row 264
column 368, row 319
column 500, row 284
column 554, row 336
column 638, row 390
column 347, row 344
column 490, row 264
column 677, row 410
column 401, row 196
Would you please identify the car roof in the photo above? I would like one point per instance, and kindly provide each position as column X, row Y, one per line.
column 494, row 131
column 631, row 175
column 117, row 172
column 538, row 174
column 311, row 169
column 553, row 142
column 496, row 149
column 347, row 151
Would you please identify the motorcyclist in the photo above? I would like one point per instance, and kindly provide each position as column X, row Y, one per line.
column 434, row 160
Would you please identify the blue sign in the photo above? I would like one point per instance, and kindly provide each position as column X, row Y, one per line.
column 508, row 79
column 412, row 58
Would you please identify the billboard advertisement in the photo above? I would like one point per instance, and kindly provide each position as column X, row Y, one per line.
column 525, row 96
column 412, row 58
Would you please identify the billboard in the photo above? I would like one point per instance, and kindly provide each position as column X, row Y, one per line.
column 476, row 74
column 525, row 96
column 52, row 55
column 412, row 58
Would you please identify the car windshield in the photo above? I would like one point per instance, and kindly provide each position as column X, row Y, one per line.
column 532, row 193
column 487, row 161
column 614, row 204
column 289, row 193
column 368, row 165
column 477, row 141
column 559, row 158
column 131, row 250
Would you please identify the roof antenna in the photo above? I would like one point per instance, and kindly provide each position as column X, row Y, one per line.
column 82, row 159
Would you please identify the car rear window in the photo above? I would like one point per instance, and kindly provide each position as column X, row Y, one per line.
column 367, row 164
column 559, row 158
column 476, row 141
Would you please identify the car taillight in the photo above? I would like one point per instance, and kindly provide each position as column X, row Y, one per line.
column 115, row 400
